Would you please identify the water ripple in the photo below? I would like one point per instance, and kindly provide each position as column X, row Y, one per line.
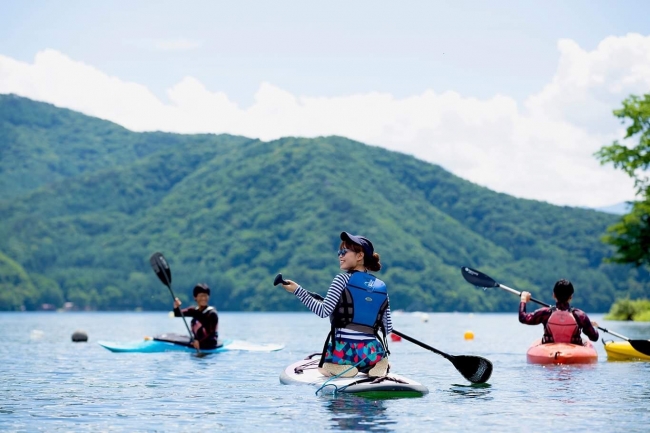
column 50, row 384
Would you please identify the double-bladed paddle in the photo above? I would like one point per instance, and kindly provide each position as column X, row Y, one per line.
column 479, row 279
column 164, row 273
column 474, row 368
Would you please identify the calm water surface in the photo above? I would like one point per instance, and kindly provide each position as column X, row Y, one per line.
column 48, row 383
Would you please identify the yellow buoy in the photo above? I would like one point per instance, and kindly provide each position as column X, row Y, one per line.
column 469, row 335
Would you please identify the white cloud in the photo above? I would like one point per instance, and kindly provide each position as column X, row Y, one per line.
column 57, row 79
column 543, row 150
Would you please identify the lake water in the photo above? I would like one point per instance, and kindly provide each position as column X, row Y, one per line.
column 48, row 383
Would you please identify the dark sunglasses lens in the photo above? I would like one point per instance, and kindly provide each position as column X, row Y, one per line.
column 343, row 252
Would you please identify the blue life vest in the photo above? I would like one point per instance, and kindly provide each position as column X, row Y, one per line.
column 361, row 308
column 362, row 304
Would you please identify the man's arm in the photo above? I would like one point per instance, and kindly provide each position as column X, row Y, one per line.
column 187, row 312
column 586, row 325
column 534, row 318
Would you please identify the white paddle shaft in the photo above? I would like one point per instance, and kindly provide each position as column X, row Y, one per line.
column 510, row 290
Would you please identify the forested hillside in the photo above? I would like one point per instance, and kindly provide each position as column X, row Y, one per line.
column 84, row 203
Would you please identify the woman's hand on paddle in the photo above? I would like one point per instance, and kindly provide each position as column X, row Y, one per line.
column 177, row 302
column 594, row 324
column 525, row 296
column 290, row 287
column 196, row 345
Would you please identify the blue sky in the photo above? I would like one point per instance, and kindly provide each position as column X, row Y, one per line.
column 243, row 60
column 477, row 48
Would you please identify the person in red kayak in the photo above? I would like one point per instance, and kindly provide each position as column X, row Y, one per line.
column 357, row 306
column 562, row 323
column 205, row 320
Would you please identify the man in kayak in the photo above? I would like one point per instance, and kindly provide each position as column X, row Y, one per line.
column 205, row 320
column 562, row 323
column 357, row 305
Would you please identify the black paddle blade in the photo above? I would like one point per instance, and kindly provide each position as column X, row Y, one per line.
column 642, row 346
column 473, row 368
column 161, row 268
column 278, row 280
column 477, row 278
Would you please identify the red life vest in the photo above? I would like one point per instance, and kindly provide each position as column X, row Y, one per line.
column 562, row 326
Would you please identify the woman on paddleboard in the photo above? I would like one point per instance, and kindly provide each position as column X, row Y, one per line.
column 562, row 323
column 205, row 320
column 357, row 306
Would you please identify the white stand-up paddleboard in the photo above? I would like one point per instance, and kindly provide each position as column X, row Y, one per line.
column 305, row 372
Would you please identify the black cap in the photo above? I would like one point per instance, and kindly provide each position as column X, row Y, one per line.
column 201, row 288
column 364, row 243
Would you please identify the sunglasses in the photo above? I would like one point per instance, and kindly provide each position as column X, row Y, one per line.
column 343, row 252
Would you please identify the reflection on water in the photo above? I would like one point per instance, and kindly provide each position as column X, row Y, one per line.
column 565, row 380
column 562, row 373
column 351, row 412
column 475, row 390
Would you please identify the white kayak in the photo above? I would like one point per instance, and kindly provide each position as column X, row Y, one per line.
column 180, row 343
column 305, row 372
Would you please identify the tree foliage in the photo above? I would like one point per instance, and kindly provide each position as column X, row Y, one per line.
column 17, row 291
column 232, row 212
column 627, row 309
column 631, row 235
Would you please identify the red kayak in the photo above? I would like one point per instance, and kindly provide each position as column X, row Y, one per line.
column 561, row 353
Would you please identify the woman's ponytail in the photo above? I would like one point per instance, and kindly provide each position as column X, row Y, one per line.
column 372, row 263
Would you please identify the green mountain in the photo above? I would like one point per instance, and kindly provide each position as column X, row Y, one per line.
column 84, row 203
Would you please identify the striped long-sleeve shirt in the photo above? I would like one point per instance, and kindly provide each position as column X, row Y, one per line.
column 326, row 307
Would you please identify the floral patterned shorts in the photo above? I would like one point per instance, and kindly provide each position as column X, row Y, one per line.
column 350, row 352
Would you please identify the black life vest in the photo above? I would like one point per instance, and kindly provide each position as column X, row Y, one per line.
column 198, row 328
